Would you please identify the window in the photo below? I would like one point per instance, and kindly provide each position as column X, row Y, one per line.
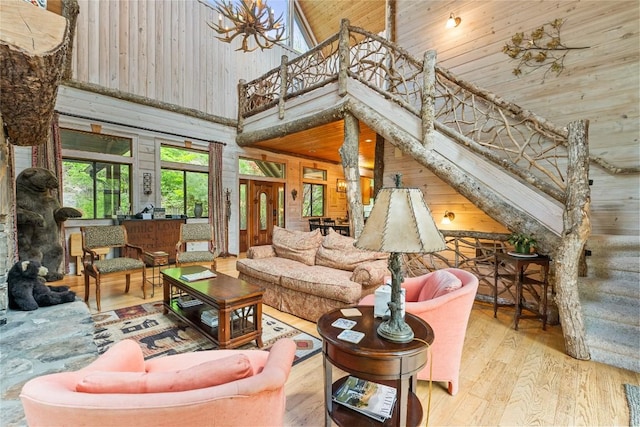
column 184, row 180
column 97, row 173
column 313, row 193
column 262, row 168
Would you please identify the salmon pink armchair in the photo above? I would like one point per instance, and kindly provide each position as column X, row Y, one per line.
column 120, row 388
column 443, row 299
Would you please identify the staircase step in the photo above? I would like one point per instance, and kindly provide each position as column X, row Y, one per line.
column 611, row 307
column 600, row 265
column 608, row 244
column 589, row 286
column 613, row 343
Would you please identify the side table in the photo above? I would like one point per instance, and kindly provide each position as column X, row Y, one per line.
column 521, row 279
column 374, row 359
column 155, row 260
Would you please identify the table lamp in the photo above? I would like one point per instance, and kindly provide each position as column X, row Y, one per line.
column 400, row 222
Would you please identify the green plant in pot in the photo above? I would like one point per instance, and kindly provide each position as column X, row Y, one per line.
column 522, row 242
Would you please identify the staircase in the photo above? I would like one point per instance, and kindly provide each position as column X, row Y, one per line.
column 610, row 300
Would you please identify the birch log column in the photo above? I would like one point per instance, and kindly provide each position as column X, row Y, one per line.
column 33, row 46
column 349, row 151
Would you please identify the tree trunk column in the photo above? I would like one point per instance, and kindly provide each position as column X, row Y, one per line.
column 576, row 231
column 351, row 167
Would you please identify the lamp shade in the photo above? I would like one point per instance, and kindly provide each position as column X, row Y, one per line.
column 400, row 222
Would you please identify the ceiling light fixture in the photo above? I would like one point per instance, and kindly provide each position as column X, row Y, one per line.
column 249, row 18
column 453, row 21
column 448, row 217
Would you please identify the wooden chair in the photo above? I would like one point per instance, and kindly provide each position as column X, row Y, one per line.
column 327, row 223
column 314, row 223
column 195, row 233
column 130, row 259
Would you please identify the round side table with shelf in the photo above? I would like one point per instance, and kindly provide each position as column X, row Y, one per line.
column 375, row 359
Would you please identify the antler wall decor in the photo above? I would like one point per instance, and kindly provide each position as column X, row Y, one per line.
column 542, row 49
column 249, row 18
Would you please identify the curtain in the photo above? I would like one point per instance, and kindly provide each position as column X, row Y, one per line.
column 49, row 156
column 216, row 204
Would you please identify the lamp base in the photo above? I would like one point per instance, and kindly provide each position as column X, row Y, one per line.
column 395, row 331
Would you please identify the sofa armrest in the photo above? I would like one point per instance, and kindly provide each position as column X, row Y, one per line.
column 262, row 251
column 370, row 273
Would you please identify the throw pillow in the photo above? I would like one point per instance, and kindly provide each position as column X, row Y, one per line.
column 337, row 251
column 439, row 282
column 299, row 246
column 208, row 374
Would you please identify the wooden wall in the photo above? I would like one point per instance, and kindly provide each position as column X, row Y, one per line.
column 164, row 50
column 600, row 83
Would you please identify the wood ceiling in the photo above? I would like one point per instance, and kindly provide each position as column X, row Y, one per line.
column 322, row 143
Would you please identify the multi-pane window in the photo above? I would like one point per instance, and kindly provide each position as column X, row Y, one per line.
column 313, row 191
column 97, row 173
column 184, row 180
column 262, row 168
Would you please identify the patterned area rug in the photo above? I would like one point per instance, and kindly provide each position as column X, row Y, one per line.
column 633, row 399
column 161, row 335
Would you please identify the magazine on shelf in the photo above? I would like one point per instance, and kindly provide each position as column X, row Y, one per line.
column 188, row 301
column 371, row 399
column 210, row 317
column 201, row 275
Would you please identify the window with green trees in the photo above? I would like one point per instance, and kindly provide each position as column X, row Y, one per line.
column 184, row 180
column 97, row 173
column 313, row 191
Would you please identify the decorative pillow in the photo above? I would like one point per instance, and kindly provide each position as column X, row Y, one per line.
column 297, row 245
column 204, row 375
column 439, row 282
column 337, row 251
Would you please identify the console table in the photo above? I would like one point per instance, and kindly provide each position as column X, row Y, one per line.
column 374, row 359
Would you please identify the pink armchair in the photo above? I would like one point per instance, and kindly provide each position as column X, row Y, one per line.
column 257, row 399
column 447, row 311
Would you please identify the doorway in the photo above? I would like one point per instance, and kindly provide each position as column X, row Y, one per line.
column 261, row 207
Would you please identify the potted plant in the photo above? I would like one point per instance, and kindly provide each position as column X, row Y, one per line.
column 522, row 242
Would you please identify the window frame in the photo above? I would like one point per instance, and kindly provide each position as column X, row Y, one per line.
column 185, row 168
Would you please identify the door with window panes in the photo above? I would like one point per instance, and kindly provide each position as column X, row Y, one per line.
column 261, row 207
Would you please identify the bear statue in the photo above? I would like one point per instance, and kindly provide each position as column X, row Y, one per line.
column 39, row 216
column 28, row 291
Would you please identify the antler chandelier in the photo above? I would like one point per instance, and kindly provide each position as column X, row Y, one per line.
column 249, row 18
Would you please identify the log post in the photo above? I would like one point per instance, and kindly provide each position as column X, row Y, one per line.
column 33, row 47
column 351, row 167
column 242, row 103
column 343, row 55
column 378, row 165
column 283, row 86
column 576, row 230
column 428, row 110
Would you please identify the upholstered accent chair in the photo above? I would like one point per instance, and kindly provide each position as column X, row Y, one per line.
column 127, row 261
column 120, row 388
column 196, row 233
column 443, row 299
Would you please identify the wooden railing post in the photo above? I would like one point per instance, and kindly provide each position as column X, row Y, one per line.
column 343, row 55
column 242, row 103
column 428, row 111
column 283, row 86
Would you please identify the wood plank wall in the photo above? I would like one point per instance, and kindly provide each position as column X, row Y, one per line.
column 164, row 50
column 600, row 83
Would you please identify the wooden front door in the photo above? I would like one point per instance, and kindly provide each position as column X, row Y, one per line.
column 259, row 211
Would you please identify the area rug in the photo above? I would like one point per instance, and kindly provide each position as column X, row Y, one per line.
column 633, row 399
column 160, row 335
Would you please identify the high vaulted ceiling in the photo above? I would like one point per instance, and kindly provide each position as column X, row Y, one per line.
column 323, row 143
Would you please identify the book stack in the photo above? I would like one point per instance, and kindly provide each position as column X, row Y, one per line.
column 187, row 301
column 371, row 399
column 209, row 318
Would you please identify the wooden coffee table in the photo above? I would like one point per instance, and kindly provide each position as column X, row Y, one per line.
column 238, row 305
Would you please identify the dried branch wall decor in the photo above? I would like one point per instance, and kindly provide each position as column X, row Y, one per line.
column 542, row 49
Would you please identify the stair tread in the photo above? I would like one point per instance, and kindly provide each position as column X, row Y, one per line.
column 623, row 338
column 623, row 287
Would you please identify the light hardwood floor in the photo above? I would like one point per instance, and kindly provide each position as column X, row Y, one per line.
column 508, row 377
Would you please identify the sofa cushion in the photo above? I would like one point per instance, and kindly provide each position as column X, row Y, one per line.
column 323, row 282
column 208, row 374
column 297, row 245
column 337, row 251
column 438, row 283
column 267, row 269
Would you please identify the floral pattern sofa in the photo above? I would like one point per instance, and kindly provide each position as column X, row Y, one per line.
column 308, row 274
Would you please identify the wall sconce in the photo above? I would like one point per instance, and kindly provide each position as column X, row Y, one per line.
column 453, row 21
column 294, row 194
column 146, row 183
column 448, row 217
column 341, row 186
